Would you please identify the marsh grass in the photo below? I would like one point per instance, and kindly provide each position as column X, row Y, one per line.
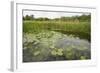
column 80, row 29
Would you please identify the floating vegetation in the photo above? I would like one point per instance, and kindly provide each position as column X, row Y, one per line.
column 51, row 46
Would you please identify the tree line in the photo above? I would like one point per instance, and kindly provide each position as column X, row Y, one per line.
column 63, row 18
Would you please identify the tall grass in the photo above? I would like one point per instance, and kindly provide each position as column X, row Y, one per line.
column 80, row 29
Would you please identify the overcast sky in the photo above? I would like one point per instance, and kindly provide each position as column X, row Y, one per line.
column 51, row 14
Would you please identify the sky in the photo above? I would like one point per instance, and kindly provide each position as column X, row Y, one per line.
column 51, row 15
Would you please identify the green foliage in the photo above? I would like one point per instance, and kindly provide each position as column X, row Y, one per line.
column 53, row 52
column 65, row 38
column 73, row 18
column 45, row 46
column 27, row 17
column 36, row 53
column 57, row 52
column 82, row 58
column 69, row 53
column 81, row 29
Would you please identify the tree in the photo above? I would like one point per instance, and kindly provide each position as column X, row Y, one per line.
column 27, row 17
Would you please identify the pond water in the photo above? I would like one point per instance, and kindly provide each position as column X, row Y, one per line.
column 54, row 46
